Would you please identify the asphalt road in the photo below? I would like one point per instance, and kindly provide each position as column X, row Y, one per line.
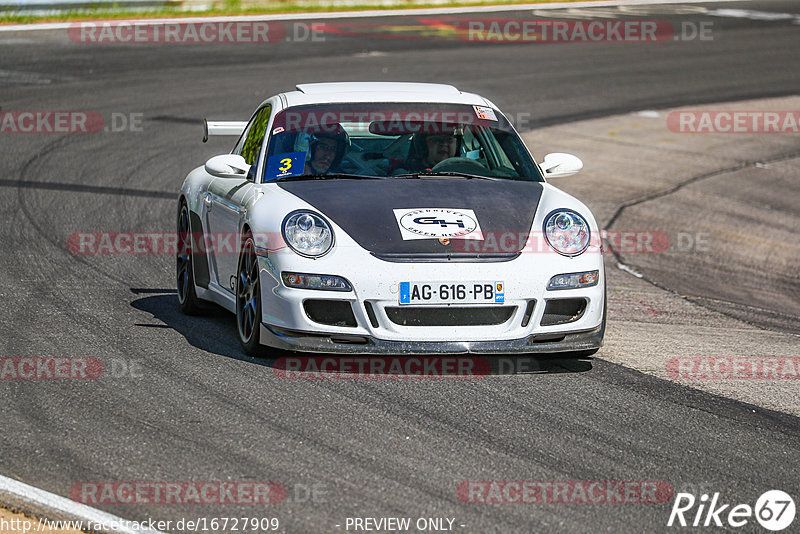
column 197, row 410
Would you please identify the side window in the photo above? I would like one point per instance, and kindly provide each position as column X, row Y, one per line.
column 255, row 135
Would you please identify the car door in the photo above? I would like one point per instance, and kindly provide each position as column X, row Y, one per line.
column 224, row 204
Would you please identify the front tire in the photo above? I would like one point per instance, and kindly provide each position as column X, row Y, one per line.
column 248, row 299
column 187, row 297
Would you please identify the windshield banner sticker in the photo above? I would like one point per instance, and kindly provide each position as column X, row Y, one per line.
column 485, row 113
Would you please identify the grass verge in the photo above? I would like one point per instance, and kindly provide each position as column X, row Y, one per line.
column 235, row 8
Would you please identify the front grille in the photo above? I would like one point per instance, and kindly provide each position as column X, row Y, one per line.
column 562, row 311
column 330, row 312
column 449, row 316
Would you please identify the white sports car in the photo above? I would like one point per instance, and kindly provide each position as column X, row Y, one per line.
column 389, row 218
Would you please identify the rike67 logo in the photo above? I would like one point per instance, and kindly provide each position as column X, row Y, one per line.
column 774, row 510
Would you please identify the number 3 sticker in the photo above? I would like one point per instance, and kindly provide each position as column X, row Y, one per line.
column 283, row 165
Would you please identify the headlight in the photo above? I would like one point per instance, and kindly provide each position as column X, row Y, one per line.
column 567, row 232
column 307, row 233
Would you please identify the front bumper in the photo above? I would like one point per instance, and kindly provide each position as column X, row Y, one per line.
column 286, row 324
column 356, row 344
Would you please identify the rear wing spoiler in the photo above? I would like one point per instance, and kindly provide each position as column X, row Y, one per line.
column 222, row 128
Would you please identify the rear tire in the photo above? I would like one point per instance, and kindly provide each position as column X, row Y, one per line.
column 248, row 299
column 187, row 297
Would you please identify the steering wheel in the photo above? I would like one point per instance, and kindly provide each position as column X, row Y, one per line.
column 465, row 165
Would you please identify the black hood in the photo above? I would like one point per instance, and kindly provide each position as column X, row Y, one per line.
column 364, row 208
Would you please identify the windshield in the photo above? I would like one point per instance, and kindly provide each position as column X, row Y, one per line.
column 396, row 140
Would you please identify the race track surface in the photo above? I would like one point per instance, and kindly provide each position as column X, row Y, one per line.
column 195, row 409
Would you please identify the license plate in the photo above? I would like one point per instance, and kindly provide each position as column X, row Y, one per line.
column 421, row 293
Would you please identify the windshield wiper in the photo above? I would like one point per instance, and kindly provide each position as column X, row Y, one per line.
column 468, row 176
column 332, row 176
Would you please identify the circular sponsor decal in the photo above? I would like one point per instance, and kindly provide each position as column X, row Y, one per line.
column 439, row 222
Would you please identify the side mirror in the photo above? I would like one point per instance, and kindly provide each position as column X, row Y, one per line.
column 227, row 166
column 558, row 165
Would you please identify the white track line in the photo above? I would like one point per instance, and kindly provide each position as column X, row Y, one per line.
column 39, row 497
column 360, row 14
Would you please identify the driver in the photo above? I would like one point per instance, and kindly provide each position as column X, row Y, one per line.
column 431, row 149
column 325, row 151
